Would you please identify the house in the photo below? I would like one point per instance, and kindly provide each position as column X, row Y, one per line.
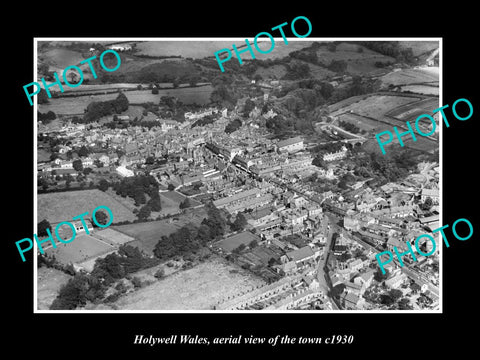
column 79, row 227
column 432, row 194
column 342, row 153
column 365, row 279
column 336, row 280
column 356, row 264
column 124, row 172
column 395, row 281
column 290, row 145
column 351, row 301
column 352, row 287
column 300, row 255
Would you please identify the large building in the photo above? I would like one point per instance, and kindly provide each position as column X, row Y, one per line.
column 291, row 145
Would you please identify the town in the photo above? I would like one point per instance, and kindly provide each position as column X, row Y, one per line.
column 274, row 189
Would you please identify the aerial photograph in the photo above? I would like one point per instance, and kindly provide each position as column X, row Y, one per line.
column 260, row 188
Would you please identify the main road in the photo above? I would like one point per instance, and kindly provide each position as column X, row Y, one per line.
column 321, row 275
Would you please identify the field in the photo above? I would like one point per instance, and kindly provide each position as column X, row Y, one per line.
column 77, row 105
column 63, row 206
column 198, row 288
column 192, row 49
column 412, row 76
column 422, row 89
column 59, row 58
column 232, row 242
column 409, row 112
column 149, row 233
column 82, row 248
column 376, row 105
column 357, row 62
column 420, row 47
column 377, row 113
column 49, row 282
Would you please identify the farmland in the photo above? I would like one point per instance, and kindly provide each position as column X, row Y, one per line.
column 420, row 47
column 193, row 49
column 82, row 248
column 198, row 288
column 422, row 89
column 376, row 105
column 412, row 76
column 357, row 62
column 49, row 282
column 380, row 112
column 77, row 105
column 63, row 206
column 147, row 234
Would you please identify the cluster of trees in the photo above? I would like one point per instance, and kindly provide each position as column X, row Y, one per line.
column 97, row 109
column 47, row 117
column 349, row 127
column 296, row 70
column 190, row 239
column 92, row 287
column 307, row 54
column 390, row 48
column 233, row 126
column 338, row 66
column 223, row 96
column 358, row 86
column 383, row 64
column 137, row 187
column 208, row 119
column 239, row 223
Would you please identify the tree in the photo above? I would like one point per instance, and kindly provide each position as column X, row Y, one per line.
column 171, row 187
column 337, row 290
column 427, row 204
column 160, row 273
column 42, row 227
column 378, row 276
column 253, row 244
column 77, row 165
column 72, row 294
column 103, row 185
column 239, row 248
column 137, row 283
column 87, row 171
column 144, row 212
column 150, row 160
column 239, row 223
column 185, row 203
column 83, row 151
column 101, row 217
column 395, row 294
column 155, row 91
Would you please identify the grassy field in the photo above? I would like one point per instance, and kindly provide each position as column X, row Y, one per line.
column 192, row 49
column 147, row 234
column 411, row 76
column 77, row 105
column 422, row 89
column 419, row 47
column 232, row 242
column 198, row 288
column 357, row 62
column 63, row 206
column 410, row 111
column 60, row 58
column 49, row 282
column 82, row 248
column 376, row 105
